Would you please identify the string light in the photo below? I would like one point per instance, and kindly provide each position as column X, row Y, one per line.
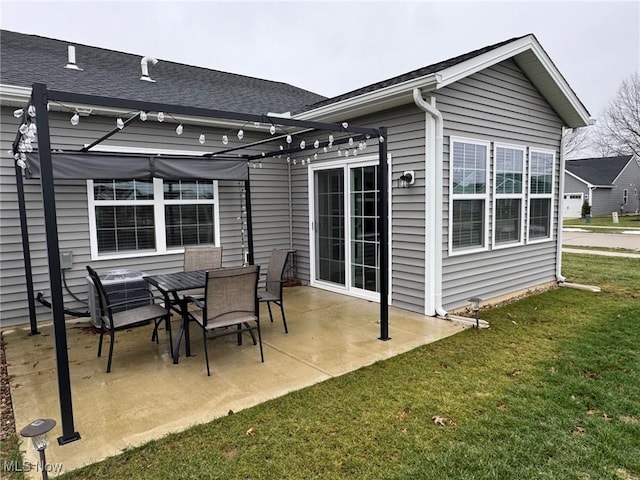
column 351, row 141
column 303, row 144
column 272, row 130
column 32, row 111
column 23, row 128
column 18, row 113
column 179, row 129
column 120, row 123
column 143, row 115
column 240, row 134
column 381, row 139
column 202, row 139
column 345, row 125
column 225, row 140
column 316, row 144
column 330, row 139
column 160, row 116
column 289, row 139
column 75, row 120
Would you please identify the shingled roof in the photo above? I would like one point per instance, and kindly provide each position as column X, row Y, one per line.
column 420, row 72
column 598, row 171
column 27, row 59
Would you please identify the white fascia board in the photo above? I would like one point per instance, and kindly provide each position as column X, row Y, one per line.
column 11, row 95
column 578, row 178
column 374, row 101
column 511, row 50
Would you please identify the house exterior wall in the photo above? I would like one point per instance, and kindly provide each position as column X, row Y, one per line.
column 406, row 147
column 269, row 204
column 495, row 105
column 498, row 104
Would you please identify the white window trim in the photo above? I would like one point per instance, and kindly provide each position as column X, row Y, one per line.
column 159, row 221
column 521, row 196
column 485, row 196
column 550, row 196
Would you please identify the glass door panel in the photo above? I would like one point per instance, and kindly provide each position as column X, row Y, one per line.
column 330, row 221
column 365, row 238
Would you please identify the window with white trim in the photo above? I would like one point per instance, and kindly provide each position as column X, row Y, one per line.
column 541, row 179
column 146, row 217
column 508, row 187
column 469, row 161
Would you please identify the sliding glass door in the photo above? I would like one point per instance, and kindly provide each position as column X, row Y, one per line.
column 346, row 242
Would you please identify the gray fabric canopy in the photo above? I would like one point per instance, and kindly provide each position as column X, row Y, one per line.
column 126, row 166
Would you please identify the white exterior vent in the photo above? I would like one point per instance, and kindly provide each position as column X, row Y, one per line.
column 71, row 62
column 145, row 68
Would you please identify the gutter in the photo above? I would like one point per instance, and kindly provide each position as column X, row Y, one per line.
column 563, row 138
column 434, row 138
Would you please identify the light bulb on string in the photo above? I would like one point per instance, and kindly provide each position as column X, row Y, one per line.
column 315, row 156
column 143, row 115
column 240, row 134
column 202, row 139
column 339, row 152
column 179, row 129
column 161, row 116
column 225, row 140
column 23, row 128
column 33, row 129
column 75, row 120
column 345, row 125
column 303, row 144
column 31, row 111
column 303, row 162
column 295, row 161
column 120, row 123
column 330, row 139
column 346, row 153
column 355, row 152
column 21, row 163
column 316, row 144
column 18, row 113
column 28, row 147
column 381, row 139
column 351, row 141
column 288, row 159
column 324, row 149
column 289, row 139
column 272, row 130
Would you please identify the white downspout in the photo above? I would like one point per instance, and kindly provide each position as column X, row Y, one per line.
column 433, row 150
column 563, row 139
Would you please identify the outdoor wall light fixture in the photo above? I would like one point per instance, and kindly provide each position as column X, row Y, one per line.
column 38, row 431
column 475, row 301
column 407, row 178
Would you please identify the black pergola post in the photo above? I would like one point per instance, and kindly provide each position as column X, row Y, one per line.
column 39, row 101
column 383, row 229
column 26, row 249
column 249, row 217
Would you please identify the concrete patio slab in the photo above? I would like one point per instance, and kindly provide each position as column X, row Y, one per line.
column 146, row 396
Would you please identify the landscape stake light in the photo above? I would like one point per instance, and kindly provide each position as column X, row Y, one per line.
column 476, row 308
column 38, row 431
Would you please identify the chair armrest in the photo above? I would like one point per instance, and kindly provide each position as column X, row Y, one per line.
column 199, row 303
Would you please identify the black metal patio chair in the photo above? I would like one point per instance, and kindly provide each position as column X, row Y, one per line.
column 112, row 320
column 230, row 300
column 272, row 293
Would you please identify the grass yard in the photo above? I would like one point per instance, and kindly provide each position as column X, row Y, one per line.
column 550, row 391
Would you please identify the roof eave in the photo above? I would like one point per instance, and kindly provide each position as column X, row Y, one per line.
column 370, row 102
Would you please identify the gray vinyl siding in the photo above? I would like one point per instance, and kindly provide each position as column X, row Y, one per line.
column 498, row 105
column 269, row 195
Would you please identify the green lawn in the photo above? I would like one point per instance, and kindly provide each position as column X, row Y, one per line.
column 550, row 391
column 605, row 224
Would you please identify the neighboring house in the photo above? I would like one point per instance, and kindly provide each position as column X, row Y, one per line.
column 608, row 184
column 479, row 133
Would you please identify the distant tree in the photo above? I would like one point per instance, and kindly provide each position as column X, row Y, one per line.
column 618, row 131
column 577, row 143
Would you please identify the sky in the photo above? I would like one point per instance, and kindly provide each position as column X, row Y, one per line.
column 332, row 47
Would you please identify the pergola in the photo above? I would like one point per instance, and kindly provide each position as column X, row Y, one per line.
column 49, row 165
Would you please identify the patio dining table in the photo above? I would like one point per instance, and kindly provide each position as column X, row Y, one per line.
column 170, row 285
